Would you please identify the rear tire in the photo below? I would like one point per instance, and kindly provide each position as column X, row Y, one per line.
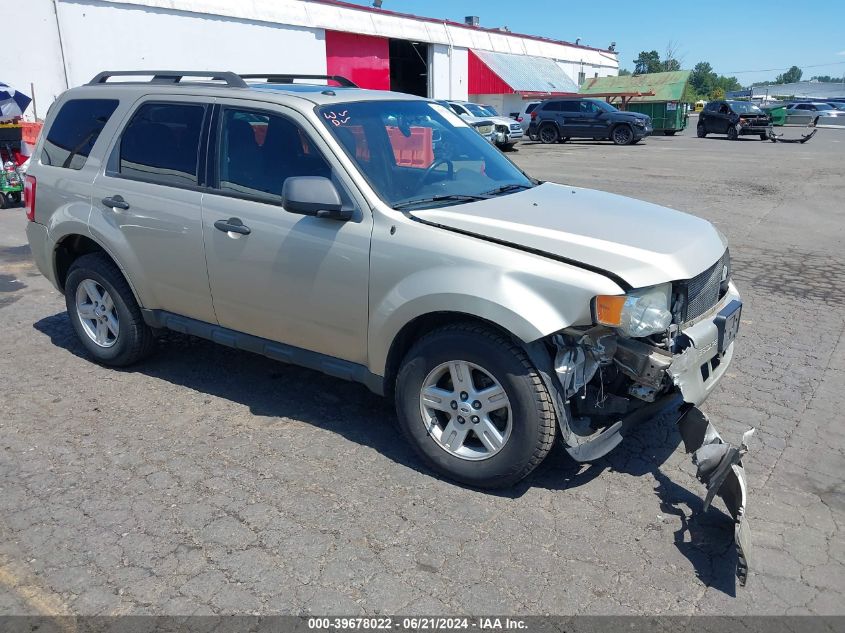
column 622, row 135
column 548, row 134
column 669, row 132
column 701, row 131
column 448, row 438
column 764, row 137
column 4, row 201
column 127, row 338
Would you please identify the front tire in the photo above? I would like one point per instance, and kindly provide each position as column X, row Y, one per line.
column 474, row 407
column 104, row 313
column 622, row 135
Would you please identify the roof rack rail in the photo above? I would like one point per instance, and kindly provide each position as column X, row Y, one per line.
column 288, row 79
column 170, row 76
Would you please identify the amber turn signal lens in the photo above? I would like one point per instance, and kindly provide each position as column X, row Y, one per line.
column 608, row 309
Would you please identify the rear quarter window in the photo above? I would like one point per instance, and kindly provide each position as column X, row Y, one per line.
column 530, row 108
column 74, row 131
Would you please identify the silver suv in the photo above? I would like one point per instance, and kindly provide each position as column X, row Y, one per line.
column 374, row 236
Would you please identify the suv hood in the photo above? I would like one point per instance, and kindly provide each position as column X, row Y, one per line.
column 643, row 243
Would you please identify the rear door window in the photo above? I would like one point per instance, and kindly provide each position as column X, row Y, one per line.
column 74, row 131
column 551, row 106
column 569, row 106
column 161, row 144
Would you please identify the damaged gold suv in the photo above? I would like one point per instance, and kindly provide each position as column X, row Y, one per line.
column 376, row 237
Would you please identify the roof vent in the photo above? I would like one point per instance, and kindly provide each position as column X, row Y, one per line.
column 471, row 20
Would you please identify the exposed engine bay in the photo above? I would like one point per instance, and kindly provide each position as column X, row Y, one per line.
column 605, row 383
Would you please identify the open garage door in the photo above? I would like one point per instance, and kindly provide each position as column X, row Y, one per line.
column 409, row 67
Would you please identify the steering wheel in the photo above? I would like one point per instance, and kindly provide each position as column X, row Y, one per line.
column 430, row 168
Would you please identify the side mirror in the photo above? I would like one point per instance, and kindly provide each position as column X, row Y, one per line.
column 313, row 195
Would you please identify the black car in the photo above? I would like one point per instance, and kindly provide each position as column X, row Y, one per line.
column 734, row 118
column 557, row 120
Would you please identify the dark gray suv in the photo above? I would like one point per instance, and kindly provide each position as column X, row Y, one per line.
column 557, row 120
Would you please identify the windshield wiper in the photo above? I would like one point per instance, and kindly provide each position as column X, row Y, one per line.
column 457, row 197
column 506, row 189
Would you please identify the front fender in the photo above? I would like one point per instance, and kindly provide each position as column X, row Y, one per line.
column 525, row 304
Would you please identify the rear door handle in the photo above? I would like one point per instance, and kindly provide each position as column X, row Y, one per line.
column 115, row 202
column 232, row 225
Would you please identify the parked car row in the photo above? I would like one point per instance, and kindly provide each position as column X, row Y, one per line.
column 812, row 112
column 504, row 134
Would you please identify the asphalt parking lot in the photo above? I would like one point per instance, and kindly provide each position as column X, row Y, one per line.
column 208, row 480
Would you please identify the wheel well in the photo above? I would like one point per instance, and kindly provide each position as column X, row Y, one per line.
column 69, row 250
column 419, row 327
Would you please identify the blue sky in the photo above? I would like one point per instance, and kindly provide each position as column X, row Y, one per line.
column 703, row 30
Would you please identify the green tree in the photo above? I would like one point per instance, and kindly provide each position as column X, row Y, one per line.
column 702, row 78
column 717, row 94
column 647, row 62
column 624, row 72
column 790, row 76
column 727, row 84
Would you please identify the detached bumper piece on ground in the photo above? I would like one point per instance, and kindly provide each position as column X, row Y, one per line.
column 720, row 470
column 778, row 138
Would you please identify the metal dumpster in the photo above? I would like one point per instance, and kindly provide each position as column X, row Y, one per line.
column 667, row 117
column 778, row 114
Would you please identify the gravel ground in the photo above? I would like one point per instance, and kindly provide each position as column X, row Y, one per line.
column 208, row 480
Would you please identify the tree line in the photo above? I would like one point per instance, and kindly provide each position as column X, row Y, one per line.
column 704, row 82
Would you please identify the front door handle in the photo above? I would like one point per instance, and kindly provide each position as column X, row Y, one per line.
column 115, row 202
column 232, row 225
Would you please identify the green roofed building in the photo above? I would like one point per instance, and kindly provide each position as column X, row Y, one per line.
column 659, row 95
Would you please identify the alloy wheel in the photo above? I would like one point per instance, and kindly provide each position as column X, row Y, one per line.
column 622, row 135
column 466, row 410
column 97, row 313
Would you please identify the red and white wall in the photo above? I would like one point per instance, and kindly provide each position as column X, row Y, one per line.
column 66, row 42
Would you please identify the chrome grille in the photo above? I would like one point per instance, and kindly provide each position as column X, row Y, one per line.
column 704, row 290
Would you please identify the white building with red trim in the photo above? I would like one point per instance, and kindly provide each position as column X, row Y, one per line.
column 64, row 43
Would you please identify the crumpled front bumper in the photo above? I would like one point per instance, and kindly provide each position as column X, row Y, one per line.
column 720, row 469
column 694, row 373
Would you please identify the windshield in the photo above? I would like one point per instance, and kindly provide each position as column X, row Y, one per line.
column 477, row 110
column 418, row 154
column 490, row 110
column 743, row 107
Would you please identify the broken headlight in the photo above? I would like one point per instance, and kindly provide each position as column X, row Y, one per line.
column 639, row 313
